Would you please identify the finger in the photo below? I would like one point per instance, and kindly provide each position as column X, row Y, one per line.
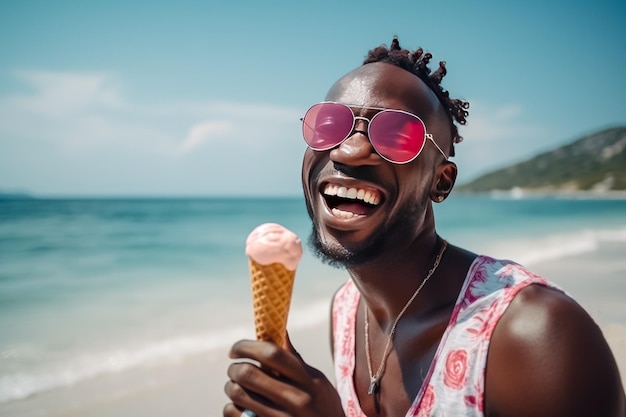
column 271, row 357
column 251, row 387
column 245, row 400
column 256, row 383
column 240, row 398
column 231, row 410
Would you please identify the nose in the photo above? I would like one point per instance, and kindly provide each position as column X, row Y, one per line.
column 356, row 149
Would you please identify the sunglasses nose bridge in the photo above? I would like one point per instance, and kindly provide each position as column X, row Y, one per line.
column 356, row 149
column 361, row 125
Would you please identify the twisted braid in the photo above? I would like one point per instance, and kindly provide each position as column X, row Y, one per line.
column 416, row 62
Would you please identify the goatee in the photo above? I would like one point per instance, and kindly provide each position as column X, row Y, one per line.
column 383, row 239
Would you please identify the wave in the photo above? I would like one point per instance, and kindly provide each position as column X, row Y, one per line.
column 18, row 386
column 529, row 251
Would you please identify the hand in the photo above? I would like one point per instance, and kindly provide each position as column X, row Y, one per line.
column 281, row 385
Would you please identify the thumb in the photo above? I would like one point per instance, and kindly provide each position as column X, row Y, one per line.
column 290, row 348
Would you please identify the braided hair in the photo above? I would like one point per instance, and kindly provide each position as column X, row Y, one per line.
column 416, row 62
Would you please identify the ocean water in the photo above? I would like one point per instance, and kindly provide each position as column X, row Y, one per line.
column 96, row 286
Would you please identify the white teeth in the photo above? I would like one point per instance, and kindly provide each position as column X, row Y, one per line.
column 330, row 190
column 344, row 214
column 367, row 196
column 371, row 198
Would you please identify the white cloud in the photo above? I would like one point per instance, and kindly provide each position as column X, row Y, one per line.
column 85, row 110
column 67, row 93
column 202, row 132
column 97, row 140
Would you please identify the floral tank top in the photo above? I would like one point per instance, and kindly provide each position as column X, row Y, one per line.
column 454, row 385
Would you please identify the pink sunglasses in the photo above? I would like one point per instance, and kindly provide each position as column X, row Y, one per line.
column 396, row 135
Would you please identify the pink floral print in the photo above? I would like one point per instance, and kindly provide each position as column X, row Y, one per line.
column 454, row 385
column 456, row 369
column 428, row 402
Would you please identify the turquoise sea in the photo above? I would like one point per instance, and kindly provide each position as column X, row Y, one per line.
column 96, row 286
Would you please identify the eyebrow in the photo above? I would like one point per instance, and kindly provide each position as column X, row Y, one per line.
column 356, row 106
column 353, row 106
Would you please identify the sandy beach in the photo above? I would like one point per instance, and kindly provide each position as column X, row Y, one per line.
column 194, row 386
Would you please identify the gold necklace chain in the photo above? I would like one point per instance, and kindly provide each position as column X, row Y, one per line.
column 375, row 379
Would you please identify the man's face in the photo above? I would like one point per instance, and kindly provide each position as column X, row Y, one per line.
column 361, row 205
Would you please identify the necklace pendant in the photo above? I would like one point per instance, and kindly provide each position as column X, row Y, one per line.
column 373, row 386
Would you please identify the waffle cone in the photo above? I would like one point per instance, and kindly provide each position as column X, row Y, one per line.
column 271, row 296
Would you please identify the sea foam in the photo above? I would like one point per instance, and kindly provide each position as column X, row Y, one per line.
column 21, row 385
column 529, row 251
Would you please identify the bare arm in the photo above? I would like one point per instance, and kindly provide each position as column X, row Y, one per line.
column 548, row 358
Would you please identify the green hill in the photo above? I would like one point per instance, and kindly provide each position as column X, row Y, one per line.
column 596, row 162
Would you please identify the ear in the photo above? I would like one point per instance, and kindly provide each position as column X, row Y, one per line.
column 443, row 181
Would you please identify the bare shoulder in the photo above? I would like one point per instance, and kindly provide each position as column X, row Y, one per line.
column 547, row 357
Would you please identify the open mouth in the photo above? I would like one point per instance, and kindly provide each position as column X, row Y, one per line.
column 350, row 202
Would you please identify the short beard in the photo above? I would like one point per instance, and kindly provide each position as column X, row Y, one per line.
column 339, row 258
column 385, row 238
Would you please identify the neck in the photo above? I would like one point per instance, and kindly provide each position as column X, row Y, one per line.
column 387, row 282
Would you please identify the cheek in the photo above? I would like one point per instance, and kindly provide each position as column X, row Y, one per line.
column 312, row 163
column 308, row 162
column 415, row 183
column 416, row 175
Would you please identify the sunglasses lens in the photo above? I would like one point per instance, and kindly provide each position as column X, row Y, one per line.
column 396, row 136
column 325, row 125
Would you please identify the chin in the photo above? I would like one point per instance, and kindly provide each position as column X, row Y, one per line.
column 332, row 252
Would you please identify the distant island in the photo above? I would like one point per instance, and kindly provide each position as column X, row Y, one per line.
column 594, row 164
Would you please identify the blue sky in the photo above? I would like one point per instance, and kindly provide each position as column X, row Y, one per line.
column 193, row 98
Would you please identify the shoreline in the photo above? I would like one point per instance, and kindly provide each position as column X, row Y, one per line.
column 517, row 193
column 193, row 385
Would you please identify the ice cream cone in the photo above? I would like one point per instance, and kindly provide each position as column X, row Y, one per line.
column 273, row 253
column 271, row 296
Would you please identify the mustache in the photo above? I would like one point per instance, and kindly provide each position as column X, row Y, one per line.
column 365, row 173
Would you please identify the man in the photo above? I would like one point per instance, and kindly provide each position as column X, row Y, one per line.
column 423, row 327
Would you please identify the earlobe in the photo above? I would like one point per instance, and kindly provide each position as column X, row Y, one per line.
column 443, row 181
